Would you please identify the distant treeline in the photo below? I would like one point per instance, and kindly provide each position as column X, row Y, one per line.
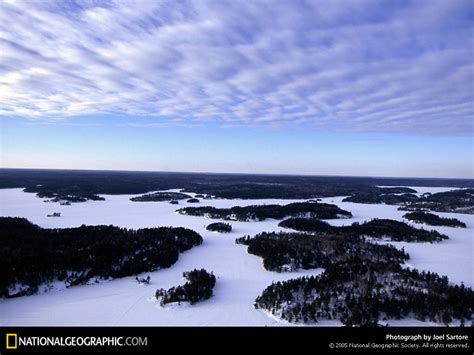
column 87, row 183
column 457, row 201
column 66, row 197
column 31, row 256
column 376, row 228
column 160, row 196
column 262, row 212
column 375, row 197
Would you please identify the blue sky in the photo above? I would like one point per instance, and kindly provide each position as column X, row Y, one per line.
column 380, row 88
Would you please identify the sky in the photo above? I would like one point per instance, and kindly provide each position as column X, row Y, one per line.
column 367, row 88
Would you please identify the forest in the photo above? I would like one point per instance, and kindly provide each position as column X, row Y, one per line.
column 376, row 228
column 198, row 287
column 368, row 297
column 362, row 284
column 375, row 197
column 32, row 256
column 219, row 227
column 433, row 220
column 396, row 190
column 262, row 212
column 244, row 186
column 283, row 252
column 458, row 201
column 66, row 197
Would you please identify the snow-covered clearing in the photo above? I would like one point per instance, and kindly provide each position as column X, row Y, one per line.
column 241, row 277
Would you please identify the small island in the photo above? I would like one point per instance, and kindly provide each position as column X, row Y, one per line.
column 262, row 212
column 219, row 227
column 193, row 200
column 160, row 196
column 198, row 287
column 433, row 220
column 66, row 199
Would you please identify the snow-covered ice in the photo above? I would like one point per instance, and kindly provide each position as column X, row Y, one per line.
column 241, row 277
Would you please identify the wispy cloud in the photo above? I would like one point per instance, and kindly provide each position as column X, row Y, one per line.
column 338, row 65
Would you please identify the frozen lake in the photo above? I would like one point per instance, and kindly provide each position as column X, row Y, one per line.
column 241, row 277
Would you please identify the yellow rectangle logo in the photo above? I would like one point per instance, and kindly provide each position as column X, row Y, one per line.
column 12, row 341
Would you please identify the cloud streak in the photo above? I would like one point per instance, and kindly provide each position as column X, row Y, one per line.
column 343, row 65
